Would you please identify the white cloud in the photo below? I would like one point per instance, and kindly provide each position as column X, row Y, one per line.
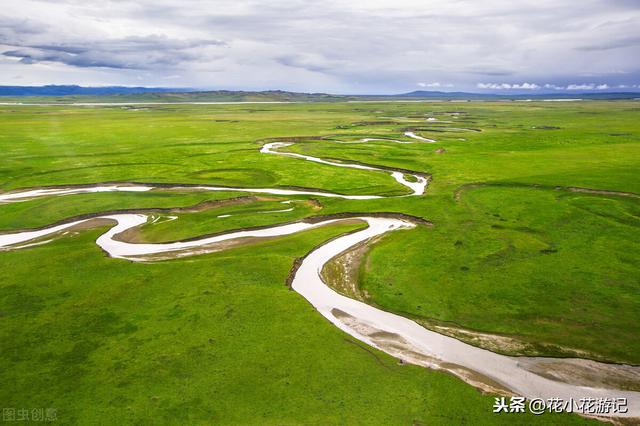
column 527, row 86
column 553, row 86
column 494, row 86
column 580, row 87
column 508, row 86
column 435, row 85
column 588, row 86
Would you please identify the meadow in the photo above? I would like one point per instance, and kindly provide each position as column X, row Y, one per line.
column 536, row 218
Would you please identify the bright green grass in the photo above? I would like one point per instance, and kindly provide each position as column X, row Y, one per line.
column 113, row 342
column 545, row 266
column 109, row 341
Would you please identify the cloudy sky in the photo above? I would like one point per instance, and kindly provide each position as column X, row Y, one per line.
column 336, row 46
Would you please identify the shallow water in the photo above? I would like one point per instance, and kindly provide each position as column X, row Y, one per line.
column 418, row 187
column 420, row 138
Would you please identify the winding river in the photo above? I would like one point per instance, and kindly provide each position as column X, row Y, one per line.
column 391, row 333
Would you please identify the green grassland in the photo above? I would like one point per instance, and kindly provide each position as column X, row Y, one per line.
column 219, row 338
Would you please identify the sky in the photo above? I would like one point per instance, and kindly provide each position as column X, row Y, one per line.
column 341, row 46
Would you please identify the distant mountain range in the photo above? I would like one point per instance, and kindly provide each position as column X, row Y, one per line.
column 73, row 93
column 54, row 90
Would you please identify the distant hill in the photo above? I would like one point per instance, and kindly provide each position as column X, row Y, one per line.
column 73, row 93
column 54, row 90
column 70, row 94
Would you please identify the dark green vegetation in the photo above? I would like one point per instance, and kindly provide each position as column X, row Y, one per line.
column 220, row 339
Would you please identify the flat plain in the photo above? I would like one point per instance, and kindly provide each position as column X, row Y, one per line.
column 532, row 251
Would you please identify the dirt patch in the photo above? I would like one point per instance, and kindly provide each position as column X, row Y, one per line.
column 390, row 215
column 342, row 272
column 579, row 372
column 585, row 372
column 75, row 229
column 314, row 203
column 400, row 348
column 571, row 363
column 545, row 127
column 298, row 261
column 204, row 249
column 90, row 224
column 600, row 191
column 492, row 342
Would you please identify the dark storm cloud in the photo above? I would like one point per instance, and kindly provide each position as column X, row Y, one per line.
column 126, row 53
